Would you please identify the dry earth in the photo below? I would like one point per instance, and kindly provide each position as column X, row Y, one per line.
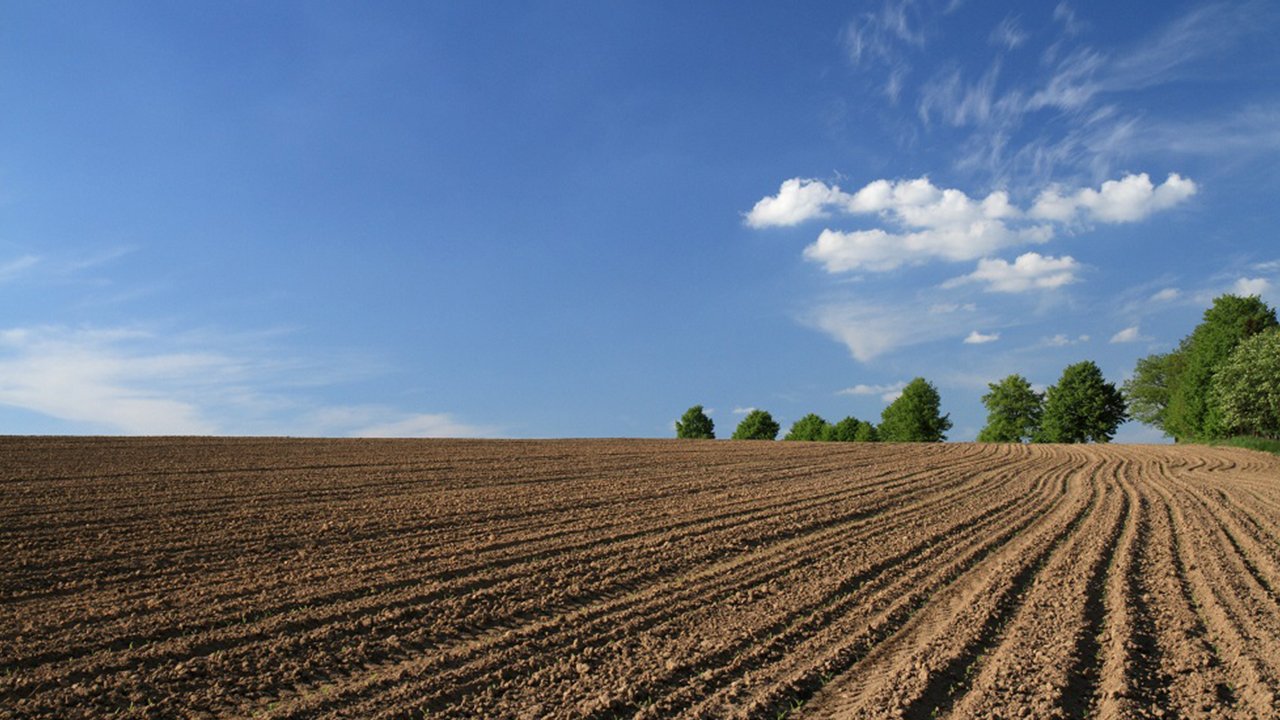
column 331, row 578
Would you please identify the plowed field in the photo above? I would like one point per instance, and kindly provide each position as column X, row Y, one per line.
column 329, row 578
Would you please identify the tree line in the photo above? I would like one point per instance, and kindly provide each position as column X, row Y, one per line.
column 1223, row 380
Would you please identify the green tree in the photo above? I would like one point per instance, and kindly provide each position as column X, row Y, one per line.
column 757, row 425
column 1082, row 407
column 809, row 427
column 1246, row 388
column 1148, row 391
column 1190, row 413
column 866, row 432
column 914, row 417
column 695, row 425
column 844, row 431
column 1013, row 411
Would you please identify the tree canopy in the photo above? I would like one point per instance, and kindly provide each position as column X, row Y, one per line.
column 1013, row 411
column 915, row 416
column 1082, row 407
column 1246, row 388
column 695, row 425
column 757, row 425
column 1190, row 414
column 809, row 427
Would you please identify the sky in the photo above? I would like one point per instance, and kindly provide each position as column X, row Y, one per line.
column 577, row 219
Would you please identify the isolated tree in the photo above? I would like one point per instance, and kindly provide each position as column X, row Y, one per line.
column 1231, row 319
column 757, row 425
column 915, row 415
column 1013, row 411
column 695, row 425
column 1082, row 407
column 1148, row 391
column 1246, row 388
column 844, row 431
column 809, row 427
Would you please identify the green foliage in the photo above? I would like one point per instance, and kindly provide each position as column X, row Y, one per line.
column 757, row 425
column 809, row 427
column 844, row 431
column 1013, row 411
column 1082, row 407
column 695, row 425
column 1190, row 413
column 1246, row 388
column 1148, row 391
column 867, row 432
column 914, row 417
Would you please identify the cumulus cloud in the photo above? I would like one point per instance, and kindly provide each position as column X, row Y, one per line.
column 922, row 222
column 887, row 393
column 1127, row 335
column 1128, row 199
column 798, row 200
column 1167, row 294
column 1251, row 286
column 1029, row 271
column 977, row 338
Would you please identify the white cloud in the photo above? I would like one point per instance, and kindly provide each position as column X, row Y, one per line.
column 742, row 410
column 1007, row 34
column 1251, row 286
column 1029, row 271
column 870, row 331
column 88, row 376
column 423, row 425
column 1127, row 335
column 926, row 222
column 1269, row 266
column 887, row 393
column 1166, row 295
column 1128, row 199
column 137, row 382
column 977, row 338
column 1061, row 340
column 798, row 200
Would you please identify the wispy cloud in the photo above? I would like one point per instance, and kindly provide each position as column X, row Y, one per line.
column 13, row 268
column 869, row 331
column 1166, row 295
column 136, row 381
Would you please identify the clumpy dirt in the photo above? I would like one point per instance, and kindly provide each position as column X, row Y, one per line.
column 274, row 578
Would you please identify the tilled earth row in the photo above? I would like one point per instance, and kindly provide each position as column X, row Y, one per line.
column 639, row 579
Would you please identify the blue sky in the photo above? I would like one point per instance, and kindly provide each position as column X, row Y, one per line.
column 580, row 218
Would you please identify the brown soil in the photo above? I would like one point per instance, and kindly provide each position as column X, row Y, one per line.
column 649, row 579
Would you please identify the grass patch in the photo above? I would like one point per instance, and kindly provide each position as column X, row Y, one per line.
column 1252, row 443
